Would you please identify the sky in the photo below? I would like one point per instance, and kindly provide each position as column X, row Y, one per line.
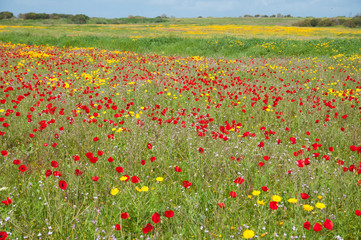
column 185, row 8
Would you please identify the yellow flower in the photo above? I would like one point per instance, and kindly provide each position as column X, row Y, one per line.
column 159, row 179
column 145, row 189
column 123, row 178
column 114, row 191
column 138, row 189
column 248, row 234
column 292, row 200
column 320, row 205
column 261, row 202
column 319, row 197
column 256, row 193
column 276, row 198
column 307, row 207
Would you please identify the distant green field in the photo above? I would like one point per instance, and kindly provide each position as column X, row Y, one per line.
column 202, row 21
column 210, row 37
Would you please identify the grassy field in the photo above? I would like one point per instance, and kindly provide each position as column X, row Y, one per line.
column 222, row 135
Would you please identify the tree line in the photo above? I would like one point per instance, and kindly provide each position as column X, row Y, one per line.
column 329, row 22
column 78, row 18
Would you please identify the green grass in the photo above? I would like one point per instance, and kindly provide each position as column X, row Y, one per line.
column 228, row 47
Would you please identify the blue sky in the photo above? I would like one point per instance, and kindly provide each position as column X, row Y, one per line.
column 185, row 8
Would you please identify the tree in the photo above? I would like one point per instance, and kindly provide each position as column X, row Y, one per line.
column 6, row 15
column 30, row 15
column 80, row 19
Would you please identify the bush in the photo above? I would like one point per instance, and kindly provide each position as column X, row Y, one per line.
column 304, row 23
column 30, row 15
column 326, row 23
column 349, row 23
column 341, row 21
column 58, row 16
column 357, row 20
column 6, row 15
column 34, row 16
column 80, row 19
column 314, row 22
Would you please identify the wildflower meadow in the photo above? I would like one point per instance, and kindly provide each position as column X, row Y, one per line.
column 103, row 143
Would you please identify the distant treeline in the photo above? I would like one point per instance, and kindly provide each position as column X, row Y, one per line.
column 329, row 22
column 82, row 19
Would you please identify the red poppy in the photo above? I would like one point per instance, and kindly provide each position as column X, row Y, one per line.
column 57, row 174
column 110, row 159
column 93, row 159
column 149, row 146
column 200, row 150
column 307, row 225
column 152, row 159
column 233, row 194
column 89, row 155
column 156, row 218
column 76, row 157
column 54, row 145
column 95, row 139
column 331, row 149
column 78, row 172
column 221, row 205
column 54, row 164
column 317, row 227
column 273, row 205
column 265, row 189
column 266, row 158
column 100, row 153
column 239, row 180
column 95, row 178
column 119, row 169
column 8, row 201
column 22, row 168
column 142, row 161
column 124, row 215
column 147, row 228
column 62, row 185
column 261, row 164
column 117, row 227
column 186, row 184
column 48, row 173
column 16, row 161
column 169, row 214
column 328, row 224
column 261, row 144
column 3, row 235
column 358, row 212
column 177, row 169
column 135, row 179
column 304, row 196
column 4, row 153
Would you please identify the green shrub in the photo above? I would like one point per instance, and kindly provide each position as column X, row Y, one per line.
column 326, row 23
column 357, row 20
column 6, row 15
column 80, row 19
column 349, row 23
column 303, row 23
column 315, row 22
